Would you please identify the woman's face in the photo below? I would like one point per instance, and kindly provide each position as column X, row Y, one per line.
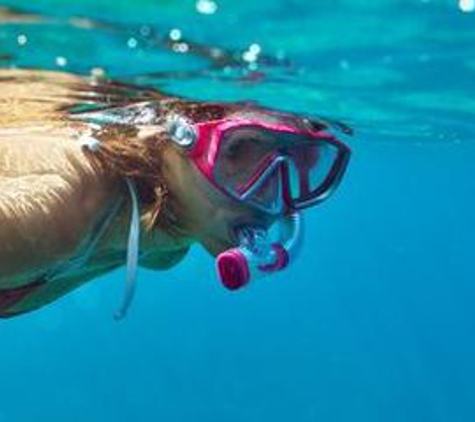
column 202, row 211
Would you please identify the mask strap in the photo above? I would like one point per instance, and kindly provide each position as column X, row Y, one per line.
column 132, row 254
column 93, row 144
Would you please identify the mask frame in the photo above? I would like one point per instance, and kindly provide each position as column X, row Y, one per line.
column 202, row 143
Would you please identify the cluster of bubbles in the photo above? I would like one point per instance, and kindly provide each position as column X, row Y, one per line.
column 251, row 56
column 22, row 41
column 247, row 59
column 178, row 45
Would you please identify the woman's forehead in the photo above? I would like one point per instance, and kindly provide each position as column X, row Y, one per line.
column 256, row 115
column 207, row 112
column 277, row 119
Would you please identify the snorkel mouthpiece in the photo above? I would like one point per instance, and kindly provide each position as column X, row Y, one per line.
column 257, row 256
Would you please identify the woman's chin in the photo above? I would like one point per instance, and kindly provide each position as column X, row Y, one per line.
column 216, row 246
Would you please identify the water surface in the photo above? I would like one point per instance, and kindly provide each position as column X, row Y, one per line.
column 376, row 321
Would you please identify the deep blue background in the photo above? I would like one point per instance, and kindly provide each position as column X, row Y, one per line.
column 375, row 322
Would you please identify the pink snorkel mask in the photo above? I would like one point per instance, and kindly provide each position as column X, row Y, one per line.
column 279, row 165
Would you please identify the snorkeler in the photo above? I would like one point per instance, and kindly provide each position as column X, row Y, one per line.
column 95, row 174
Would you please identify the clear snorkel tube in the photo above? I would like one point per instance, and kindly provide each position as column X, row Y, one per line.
column 257, row 256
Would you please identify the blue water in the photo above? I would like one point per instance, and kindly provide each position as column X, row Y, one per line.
column 375, row 322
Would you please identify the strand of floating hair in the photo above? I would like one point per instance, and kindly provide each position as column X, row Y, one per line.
column 132, row 254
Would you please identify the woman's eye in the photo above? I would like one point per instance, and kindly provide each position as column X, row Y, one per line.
column 231, row 151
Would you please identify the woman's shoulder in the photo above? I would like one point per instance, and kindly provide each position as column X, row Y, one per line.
column 51, row 193
column 36, row 134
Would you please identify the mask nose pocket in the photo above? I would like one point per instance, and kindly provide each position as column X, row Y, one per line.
column 267, row 193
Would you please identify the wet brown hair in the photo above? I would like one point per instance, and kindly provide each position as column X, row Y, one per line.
column 124, row 153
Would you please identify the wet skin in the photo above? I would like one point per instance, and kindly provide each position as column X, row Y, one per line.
column 52, row 199
column 209, row 215
column 56, row 193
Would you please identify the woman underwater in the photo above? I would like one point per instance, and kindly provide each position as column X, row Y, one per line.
column 95, row 174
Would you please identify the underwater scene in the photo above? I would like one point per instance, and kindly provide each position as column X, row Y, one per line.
column 374, row 320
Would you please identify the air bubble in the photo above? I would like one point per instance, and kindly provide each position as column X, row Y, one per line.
column 206, row 7
column 61, row 61
column 175, row 34
column 22, row 39
column 132, row 43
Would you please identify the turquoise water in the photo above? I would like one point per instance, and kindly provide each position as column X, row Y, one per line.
column 376, row 321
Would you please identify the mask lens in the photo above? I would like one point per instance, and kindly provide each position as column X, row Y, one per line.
column 243, row 156
column 267, row 194
column 310, row 170
column 269, row 168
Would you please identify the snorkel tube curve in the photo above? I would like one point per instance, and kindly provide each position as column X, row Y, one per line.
column 256, row 256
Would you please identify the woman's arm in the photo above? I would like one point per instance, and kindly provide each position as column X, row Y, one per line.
column 50, row 198
column 34, row 231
